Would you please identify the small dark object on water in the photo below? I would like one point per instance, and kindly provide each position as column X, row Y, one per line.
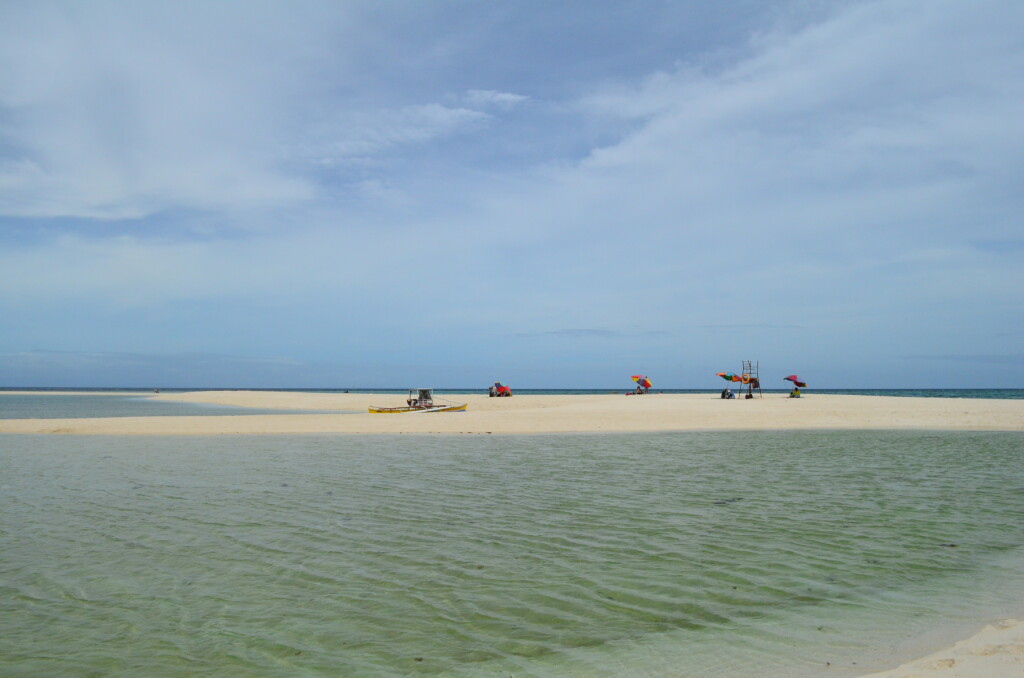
column 952, row 546
column 728, row 501
column 419, row 659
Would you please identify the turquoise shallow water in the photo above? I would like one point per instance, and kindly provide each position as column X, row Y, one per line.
column 74, row 406
column 696, row 554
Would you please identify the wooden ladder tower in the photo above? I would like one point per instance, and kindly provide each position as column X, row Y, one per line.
column 752, row 378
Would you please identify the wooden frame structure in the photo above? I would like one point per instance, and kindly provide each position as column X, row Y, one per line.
column 751, row 378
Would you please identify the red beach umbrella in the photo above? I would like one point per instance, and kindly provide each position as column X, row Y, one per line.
column 641, row 380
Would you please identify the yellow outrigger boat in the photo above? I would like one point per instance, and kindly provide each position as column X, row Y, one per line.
column 420, row 400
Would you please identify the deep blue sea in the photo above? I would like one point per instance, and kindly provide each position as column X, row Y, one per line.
column 998, row 393
column 990, row 393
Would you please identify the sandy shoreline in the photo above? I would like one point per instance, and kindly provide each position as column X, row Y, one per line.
column 996, row 651
column 526, row 414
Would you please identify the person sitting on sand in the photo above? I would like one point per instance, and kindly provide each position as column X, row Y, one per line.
column 727, row 394
column 795, row 393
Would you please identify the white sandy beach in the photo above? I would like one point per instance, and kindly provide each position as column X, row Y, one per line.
column 524, row 414
column 995, row 652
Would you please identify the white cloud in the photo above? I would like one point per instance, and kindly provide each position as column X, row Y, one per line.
column 115, row 110
column 487, row 97
column 873, row 107
column 354, row 135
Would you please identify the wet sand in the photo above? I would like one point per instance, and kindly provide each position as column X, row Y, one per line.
column 996, row 651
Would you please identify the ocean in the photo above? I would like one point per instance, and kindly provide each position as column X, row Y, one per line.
column 713, row 555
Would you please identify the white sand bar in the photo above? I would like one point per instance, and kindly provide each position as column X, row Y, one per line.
column 551, row 414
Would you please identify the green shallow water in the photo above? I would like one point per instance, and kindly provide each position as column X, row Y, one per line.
column 695, row 554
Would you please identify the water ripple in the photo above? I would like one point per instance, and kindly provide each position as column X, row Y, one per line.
column 547, row 556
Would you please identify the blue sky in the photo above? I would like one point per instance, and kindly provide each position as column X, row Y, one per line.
column 391, row 194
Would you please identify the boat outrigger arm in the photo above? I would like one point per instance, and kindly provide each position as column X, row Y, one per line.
column 420, row 400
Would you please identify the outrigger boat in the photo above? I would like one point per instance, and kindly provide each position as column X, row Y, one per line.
column 420, row 400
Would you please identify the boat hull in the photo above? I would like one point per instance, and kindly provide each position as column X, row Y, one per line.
column 407, row 410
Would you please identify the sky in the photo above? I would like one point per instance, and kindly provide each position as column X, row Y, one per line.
column 384, row 193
